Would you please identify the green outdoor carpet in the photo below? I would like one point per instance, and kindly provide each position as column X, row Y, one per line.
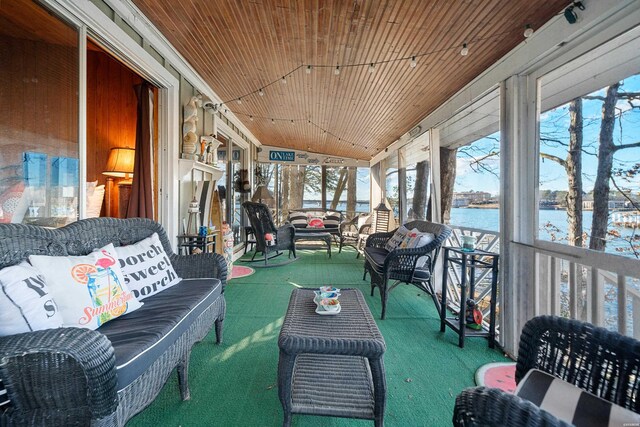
column 234, row 384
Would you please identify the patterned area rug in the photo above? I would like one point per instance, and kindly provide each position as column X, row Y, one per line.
column 241, row 271
column 497, row 375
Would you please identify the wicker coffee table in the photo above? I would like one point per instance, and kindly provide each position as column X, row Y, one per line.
column 319, row 237
column 331, row 364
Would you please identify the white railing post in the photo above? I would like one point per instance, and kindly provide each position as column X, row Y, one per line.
column 622, row 304
column 597, row 297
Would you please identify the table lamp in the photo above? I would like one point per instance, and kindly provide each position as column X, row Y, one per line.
column 262, row 193
column 120, row 165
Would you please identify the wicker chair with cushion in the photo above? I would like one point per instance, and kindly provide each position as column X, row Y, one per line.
column 354, row 232
column 269, row 239
column 409, row 265
column 600, row 362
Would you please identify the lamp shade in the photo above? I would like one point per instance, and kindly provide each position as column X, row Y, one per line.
column 120, row 162
column 261, row 193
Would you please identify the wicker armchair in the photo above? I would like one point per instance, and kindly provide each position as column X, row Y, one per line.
column 594, row 359
column 401, row 264
column 354, row 232
column 262, row 224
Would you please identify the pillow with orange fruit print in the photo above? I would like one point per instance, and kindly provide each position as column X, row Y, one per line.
column 89, row 290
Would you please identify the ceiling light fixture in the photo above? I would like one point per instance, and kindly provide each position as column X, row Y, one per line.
column 465, row 50
column 337, row 70
column 570, row 15
column 372, row 68
column 308, row 70
column 413, row 62
column 528, row 31
column 261, row 92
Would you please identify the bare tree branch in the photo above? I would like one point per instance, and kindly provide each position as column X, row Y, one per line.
column 553, row 158
column 621, row 146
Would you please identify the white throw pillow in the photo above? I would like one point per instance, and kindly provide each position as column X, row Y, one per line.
column 26, row 303
column 146, row 267
column 396, row 240
column 95, row 197
column 89, row 290
column 416, row 239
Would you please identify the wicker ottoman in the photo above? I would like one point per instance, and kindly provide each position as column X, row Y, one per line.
column 331, row 364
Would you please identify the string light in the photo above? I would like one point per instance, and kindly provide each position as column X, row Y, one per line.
column 413, row 62
column 308, row 69
column 465, row 50
column 273, row 122
column 261, row 92
column 372, row 68
column 239, row 100
column 337, row 70
column 283, row 80
column 528, row 31
column 251, row 118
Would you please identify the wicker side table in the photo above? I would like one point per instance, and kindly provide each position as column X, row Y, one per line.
column 331, row 365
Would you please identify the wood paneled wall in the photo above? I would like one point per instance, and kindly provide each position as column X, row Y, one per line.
column 111, row 115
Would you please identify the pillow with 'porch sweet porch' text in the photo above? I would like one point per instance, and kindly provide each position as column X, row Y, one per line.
column 146, row 267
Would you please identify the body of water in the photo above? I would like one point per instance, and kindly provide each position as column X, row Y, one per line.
column 552, row 225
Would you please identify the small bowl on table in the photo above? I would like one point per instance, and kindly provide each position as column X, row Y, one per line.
column 329, row 289
column 330, row 304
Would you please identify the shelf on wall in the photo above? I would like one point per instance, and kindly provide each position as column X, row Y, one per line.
column 187, row 165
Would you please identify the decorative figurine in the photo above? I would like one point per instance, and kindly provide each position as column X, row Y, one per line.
column 473, row 315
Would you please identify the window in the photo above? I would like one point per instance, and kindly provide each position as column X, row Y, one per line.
column 39, row 162
column 589, row 167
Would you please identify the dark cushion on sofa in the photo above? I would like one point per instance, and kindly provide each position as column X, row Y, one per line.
column 139, row 338
column 376, row 256
column 332, row 220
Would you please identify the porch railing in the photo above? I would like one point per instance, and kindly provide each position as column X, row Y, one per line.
column 591, row 286
column 600, row 288
column 486, row 240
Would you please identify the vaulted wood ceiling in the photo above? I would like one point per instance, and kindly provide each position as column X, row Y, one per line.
column 240, row 47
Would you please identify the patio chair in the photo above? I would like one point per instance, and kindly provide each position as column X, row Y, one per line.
column 409, row 265
column 282, row 238
column 601, row 362
column 354, row 232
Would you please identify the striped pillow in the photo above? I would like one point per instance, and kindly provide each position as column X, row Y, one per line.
column 298, row 219
column 4, row 399
column 332, row 220
column 572, row 404
column 397, row 238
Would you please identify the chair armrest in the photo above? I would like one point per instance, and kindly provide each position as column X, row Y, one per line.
column 378, row 240
column 286, row 232
column 59, row 373
column 364, row 229
column 482, row 406
column 200, row 266
column 599, row 361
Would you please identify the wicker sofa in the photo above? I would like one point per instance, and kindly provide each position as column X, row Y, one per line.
column 74, row 376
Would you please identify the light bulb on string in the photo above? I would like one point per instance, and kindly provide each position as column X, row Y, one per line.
column 251, row 118
column 372, row 68
column 337, row 70
column 528, row 31
column 239, row 100
column 465, row 50
column 273, row 122
column 283, row 80
column 308, row 69
column 291, row 121
column 261, row 92
column 413, row 62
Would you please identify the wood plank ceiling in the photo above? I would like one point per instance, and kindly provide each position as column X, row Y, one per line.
column 239, row 47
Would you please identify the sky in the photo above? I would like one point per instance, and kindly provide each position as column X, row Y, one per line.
column 555, row 124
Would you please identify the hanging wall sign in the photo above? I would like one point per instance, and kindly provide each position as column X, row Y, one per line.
column 282, row 156
column 269, row 154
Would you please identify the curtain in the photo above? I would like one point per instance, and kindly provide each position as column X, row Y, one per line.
column 141, row 200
